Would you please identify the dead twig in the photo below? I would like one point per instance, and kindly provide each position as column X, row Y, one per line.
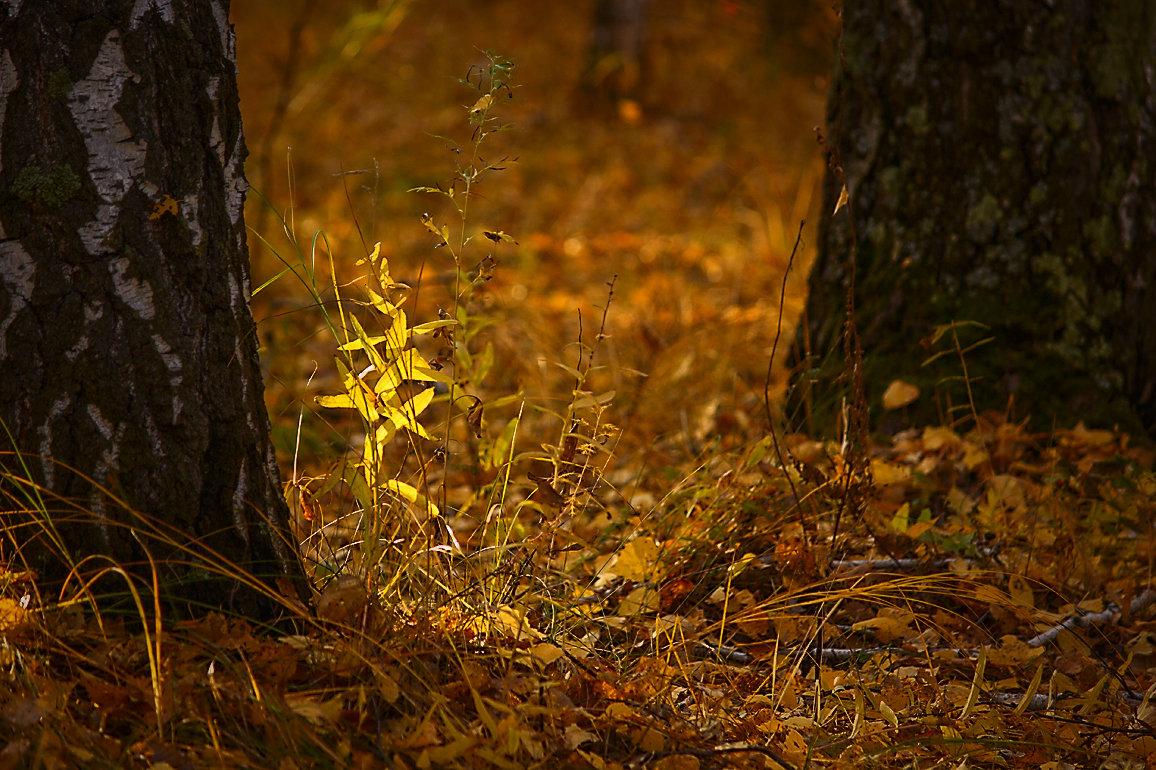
column 1083, row 620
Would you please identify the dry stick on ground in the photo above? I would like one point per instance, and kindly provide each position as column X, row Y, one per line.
column 1110, row 612
column 868, row 565
column 1038, row 702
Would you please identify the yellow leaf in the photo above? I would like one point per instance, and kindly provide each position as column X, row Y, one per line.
column 640, row 601
column 886, row 473
column 380, row 303
column 843, row 198
column 939, row 438
column 976, row 684
column 365, row 404
column 410, row 494
column 363, row 343
column 499, row 236
column 430, row 326
column 902, row 518
column 384, row 434
column 339, row 401
column 621, row 711
column 383, row 276
column 636, row 560
column 918, row 528
column 974, row 457
column 887, row 629
column 405, row 416
column 166, row 205
column 397, row 338
column 12, row 614
column 482, row 104
column 1030, row 693
column 412, row 366
column 512, row 623
column 546, row 653
column 418, row 404
column 443, row 756
column 1092, row 437
column 899, row 394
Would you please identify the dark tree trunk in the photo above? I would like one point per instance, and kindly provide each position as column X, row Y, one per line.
column 615, row 61
column 1001, row 164
column 127, row 345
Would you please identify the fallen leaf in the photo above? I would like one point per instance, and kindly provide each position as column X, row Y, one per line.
column 314, row 710
column 636, row 560
column 899, row 394
column 576, row 736
column 546, row 653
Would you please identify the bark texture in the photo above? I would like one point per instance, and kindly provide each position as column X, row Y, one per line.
column 127, row 343
column 1001, row 164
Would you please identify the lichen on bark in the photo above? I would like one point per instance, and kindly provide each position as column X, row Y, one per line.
column 998, row 160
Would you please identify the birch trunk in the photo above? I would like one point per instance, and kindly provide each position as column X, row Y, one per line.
column 127, row 345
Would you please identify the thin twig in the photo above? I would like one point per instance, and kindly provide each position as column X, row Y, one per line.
column 779, row 331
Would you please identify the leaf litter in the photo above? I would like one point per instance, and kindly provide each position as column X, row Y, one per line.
column 1002, row 619
column 661, row 593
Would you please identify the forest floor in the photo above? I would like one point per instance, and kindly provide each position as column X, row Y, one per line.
column 599, row 541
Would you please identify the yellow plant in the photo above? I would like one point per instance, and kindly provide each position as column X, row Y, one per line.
column 389, row 385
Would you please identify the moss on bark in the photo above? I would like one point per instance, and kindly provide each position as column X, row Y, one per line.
column 999, row 160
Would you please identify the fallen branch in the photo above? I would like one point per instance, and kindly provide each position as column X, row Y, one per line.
column 868, row 565
column 911, row 563
column 1109, row 613
column 1039, row 701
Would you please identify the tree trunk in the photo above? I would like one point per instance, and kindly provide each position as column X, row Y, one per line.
column 131, row 385
column 1001, row 163
column 614, row 63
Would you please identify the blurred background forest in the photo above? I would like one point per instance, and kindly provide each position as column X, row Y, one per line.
column 689, row 186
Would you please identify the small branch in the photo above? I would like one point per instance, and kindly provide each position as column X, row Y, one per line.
column 1039, row 701
column 877, row 564
column 1109, row 613
column 908, row 563
column 723, row 653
